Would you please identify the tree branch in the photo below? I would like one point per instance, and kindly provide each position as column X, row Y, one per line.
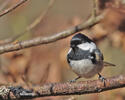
column 31, row 26
column 59, row 89
column 40, row 40
column 5, row 3
column 94, row 12
column 12, row 8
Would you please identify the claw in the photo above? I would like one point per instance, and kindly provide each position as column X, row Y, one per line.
column 74, row 80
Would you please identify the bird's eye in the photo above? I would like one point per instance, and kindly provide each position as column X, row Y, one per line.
column 77, row 42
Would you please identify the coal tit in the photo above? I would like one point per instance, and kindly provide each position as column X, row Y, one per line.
column 85, row 58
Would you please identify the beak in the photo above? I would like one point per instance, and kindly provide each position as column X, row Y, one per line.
column 73, row 46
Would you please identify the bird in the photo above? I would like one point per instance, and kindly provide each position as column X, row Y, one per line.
column 85, row 58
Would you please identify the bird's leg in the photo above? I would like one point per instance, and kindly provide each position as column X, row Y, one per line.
column 74, row 80
column 102, row 78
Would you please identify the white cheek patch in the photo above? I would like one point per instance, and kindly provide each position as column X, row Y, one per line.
column 87, row 46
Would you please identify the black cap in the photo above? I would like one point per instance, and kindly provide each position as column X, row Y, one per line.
column 83, row 38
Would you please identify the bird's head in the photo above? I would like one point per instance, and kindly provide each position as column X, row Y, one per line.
column 79, row 39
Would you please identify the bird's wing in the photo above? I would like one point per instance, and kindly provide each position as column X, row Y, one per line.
column 99, row 57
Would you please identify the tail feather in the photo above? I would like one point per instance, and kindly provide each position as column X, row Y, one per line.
column 106, row 64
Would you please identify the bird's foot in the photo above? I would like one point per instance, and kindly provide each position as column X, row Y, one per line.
column 74, row 80
column 102, row 79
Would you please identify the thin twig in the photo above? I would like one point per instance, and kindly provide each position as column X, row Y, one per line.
column 40, row 40
column 31, row 26
column 5, row 3
column 12, row 8
column 94, row 12
column 42, row 16
column 59, row 89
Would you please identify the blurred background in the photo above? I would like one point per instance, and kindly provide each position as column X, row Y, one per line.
column 47, row 63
